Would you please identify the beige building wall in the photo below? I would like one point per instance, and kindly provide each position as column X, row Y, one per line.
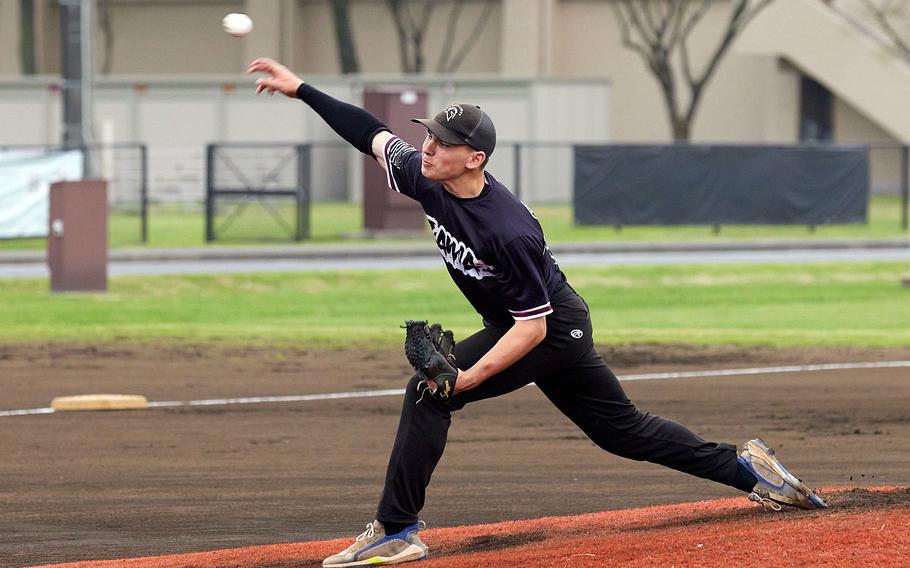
column 173, row 37
column 376, row 40
column 753, row 97
column 750, row 98
column 884, row 158
column 9, row 37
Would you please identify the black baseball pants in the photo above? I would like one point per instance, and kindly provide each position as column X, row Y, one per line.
column 570, row 372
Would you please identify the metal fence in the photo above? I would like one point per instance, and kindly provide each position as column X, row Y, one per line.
column 889, row 173
column 537, row 172
column 257, row 191
column 125, row 168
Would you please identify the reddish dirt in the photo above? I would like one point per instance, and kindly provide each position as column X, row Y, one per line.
column 94, row 486
column 862, row 527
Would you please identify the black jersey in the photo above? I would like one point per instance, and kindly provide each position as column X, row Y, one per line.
column 492, row 244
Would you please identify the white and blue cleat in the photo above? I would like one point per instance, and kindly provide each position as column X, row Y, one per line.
column 776, row 486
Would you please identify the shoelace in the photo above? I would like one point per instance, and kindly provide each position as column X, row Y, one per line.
column 765, row 501
column 370, row 532
column 367, row 533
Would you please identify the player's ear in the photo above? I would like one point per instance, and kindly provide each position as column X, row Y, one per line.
column 476, row 160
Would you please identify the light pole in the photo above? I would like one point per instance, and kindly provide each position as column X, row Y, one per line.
column 76, row 51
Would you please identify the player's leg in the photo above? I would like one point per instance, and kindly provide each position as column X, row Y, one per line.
column 589, row 393
column 424, row 425
column 419, row 443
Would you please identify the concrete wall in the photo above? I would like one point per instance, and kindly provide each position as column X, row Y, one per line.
column 884, row 154
column 177, row 117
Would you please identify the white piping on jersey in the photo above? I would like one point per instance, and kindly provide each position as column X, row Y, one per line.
column 389, row 162
column 529, row 310
column 545, row 311
column 457, row 254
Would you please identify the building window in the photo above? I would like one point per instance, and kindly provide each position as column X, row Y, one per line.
column 816, row 110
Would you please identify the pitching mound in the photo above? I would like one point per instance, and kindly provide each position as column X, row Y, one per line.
column 866, row 527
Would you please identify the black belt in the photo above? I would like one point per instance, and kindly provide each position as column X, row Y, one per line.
column 563, row 292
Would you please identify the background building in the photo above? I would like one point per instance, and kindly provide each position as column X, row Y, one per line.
column 802, row 70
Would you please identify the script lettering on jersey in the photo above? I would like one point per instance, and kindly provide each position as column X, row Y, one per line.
column 457, row 254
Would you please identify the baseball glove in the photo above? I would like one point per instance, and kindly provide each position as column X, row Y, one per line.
column 422, row 347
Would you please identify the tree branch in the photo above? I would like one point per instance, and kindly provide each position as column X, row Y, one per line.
column 882, row 14
column 403, row 40
column 656, row 28
column 625, row 33
column 479, row 25
column 741, row 16
column 446, row 51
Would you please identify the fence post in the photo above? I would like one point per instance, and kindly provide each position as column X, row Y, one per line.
column 905, row 185
column 144, row 191
column 209, row 192
column 303, row 192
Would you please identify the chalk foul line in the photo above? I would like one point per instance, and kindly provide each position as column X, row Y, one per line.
column 399, row 392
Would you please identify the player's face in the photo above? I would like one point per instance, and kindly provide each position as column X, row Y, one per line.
column 443, row 161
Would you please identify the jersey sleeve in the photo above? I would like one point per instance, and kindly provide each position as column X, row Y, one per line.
column 523, row 278
column 402, row 166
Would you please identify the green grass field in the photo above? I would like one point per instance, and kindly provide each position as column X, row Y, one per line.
column 859, row 304
column 336, row 222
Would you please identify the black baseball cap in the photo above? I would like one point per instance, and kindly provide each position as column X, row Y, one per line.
column 463, row 124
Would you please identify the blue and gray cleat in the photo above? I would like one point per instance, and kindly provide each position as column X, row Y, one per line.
column 373, row 547
column 776, row 486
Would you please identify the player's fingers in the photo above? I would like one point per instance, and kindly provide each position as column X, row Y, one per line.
column 262, row 65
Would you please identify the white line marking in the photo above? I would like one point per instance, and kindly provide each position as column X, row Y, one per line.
column 767, row 370
column 262, row 399
column 26, row 411
column 399, row 392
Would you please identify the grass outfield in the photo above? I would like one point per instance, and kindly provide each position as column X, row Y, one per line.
column 857, row 304
column 337, row 221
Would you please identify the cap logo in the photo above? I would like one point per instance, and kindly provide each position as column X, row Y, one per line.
column 452, row 111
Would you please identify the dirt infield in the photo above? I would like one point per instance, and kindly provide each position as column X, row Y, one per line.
column 92, row 486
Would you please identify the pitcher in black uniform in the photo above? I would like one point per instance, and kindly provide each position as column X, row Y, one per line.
column 536, row 328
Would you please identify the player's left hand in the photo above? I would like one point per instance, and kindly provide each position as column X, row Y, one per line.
column 436, row 369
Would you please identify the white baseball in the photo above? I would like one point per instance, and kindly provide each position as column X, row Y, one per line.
column 238, row 25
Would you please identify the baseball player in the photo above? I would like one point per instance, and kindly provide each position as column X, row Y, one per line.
column 536, row 328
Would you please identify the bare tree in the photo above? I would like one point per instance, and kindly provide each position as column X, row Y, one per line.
column 27, row 36
column 659, row 31
column 343, row 36
column 412, row 20
column 449, row 58
column 885, row 13
column 107, row 32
